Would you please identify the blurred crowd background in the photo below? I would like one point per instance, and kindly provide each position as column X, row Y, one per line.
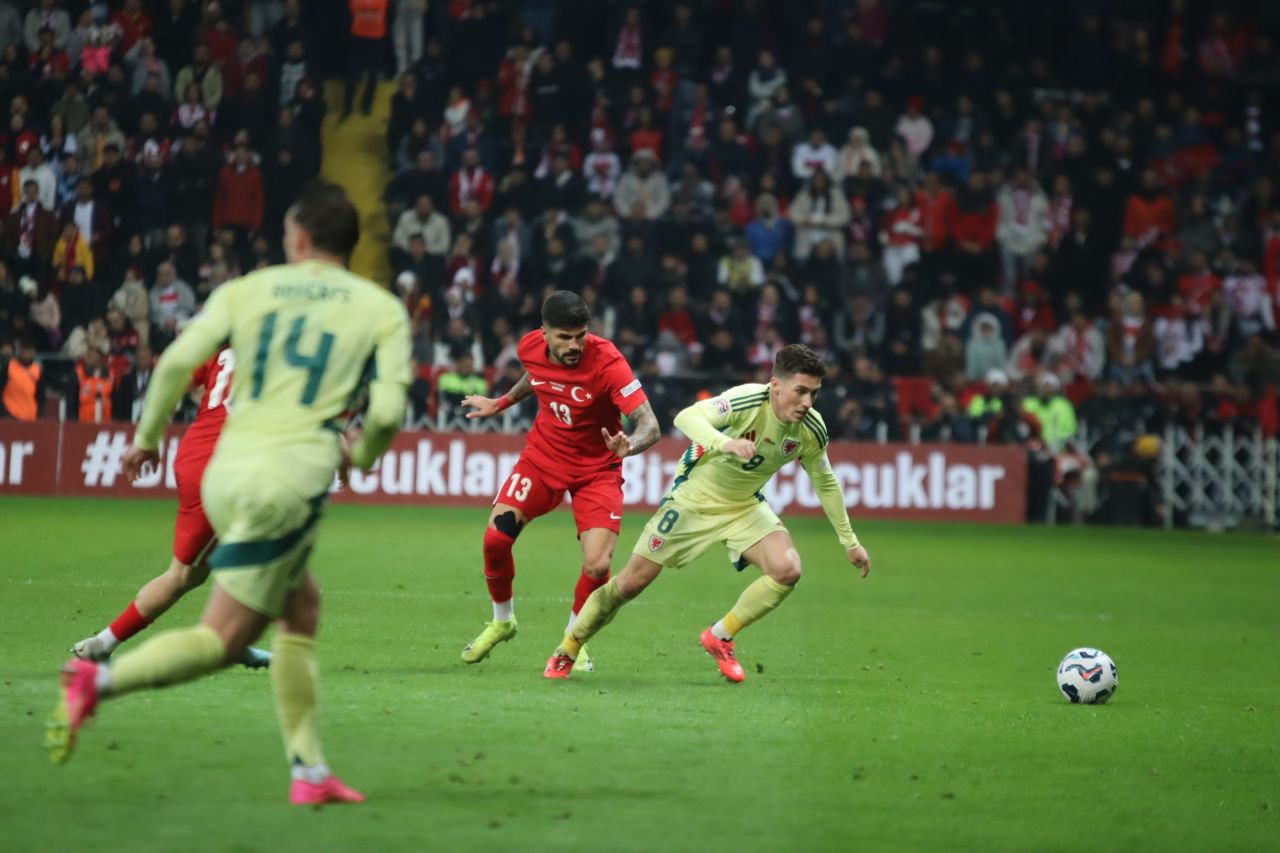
column 1052, row 224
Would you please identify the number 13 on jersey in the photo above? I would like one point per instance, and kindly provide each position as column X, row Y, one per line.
column 562, row 412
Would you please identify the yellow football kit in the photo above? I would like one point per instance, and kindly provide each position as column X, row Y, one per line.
column 716, row 497
column 308, row 338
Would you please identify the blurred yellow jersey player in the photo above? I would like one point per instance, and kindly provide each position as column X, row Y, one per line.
column 739, row 440
column 310, row 336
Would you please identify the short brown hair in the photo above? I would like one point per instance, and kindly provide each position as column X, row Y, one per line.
column 798, row 358
column 324, row 211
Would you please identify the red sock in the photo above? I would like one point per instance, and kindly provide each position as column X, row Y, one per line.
column 129, row 623
column 499, row 567
column 586, row 586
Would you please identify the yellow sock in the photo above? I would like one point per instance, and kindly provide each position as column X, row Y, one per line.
column 168, row 658
column 293, row 680
column 755, row 603
column 599, row 608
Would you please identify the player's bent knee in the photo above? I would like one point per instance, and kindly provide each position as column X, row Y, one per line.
column 596, row 569
column 186, row 578
column 507, row 523
column 787, row 571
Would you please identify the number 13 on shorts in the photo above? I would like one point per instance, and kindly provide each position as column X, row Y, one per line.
column 517, row 488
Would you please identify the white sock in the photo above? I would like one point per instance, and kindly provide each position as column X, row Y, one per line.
column 572, row 617
column 102, row 679
column 504, row 611
column 313, row 773
column 720, row 632
column 108, row 639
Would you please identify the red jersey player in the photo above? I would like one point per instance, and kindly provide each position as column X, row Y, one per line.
column 583, row 386
column 193, row 537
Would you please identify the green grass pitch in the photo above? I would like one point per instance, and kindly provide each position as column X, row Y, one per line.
column 915, row 710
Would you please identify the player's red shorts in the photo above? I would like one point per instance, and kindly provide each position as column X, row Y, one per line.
column 193, row 536
column 597, row 498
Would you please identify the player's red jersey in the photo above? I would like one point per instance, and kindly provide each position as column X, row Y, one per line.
column 215, row 375
column 193, row 536
column 574, row 403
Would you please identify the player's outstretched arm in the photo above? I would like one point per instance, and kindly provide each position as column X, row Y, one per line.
column 818, row 467
column 487, row 407
column 172, row 378
column 644, row 435
column 388, row 392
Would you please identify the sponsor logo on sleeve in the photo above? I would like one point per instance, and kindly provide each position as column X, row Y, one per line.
column 630, row 388
column 721, row 405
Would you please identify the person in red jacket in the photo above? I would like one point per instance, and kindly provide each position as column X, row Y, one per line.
column 470, row 182
column 1198, row 284
column 364, row 52
column 974, row 232
column 239, row 200
column 134, row 23
column 1149, row 217
column 938, row 209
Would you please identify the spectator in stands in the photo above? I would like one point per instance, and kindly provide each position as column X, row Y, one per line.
column 1022, row 226
column 857, row 151
column 239, row 202
column 813, row 155
column 30, row 233
column 46, row 15
column 470, row 182
column 45, row 313
column 424, row 220
column 205, row 75
column 44, row 176
column 985, row 350
column 740, row 272
column 902, row 234
column 820, row 214
column 459, row 382
column 1130, row 341
column 173, row 302
column 71, row 251
column 643, row 190
column 1149, row 216
column 21, row 385
column 94, row 388
column 1054, row 413
column 407, row 32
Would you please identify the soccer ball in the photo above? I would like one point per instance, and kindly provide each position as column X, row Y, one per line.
column 1087, row 677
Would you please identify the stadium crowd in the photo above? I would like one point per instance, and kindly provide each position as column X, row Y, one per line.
column 995, row 220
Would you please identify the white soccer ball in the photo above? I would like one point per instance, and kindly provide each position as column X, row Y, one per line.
column 1087, row 677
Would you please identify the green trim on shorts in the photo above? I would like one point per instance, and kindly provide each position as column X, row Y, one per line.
column 237, row 555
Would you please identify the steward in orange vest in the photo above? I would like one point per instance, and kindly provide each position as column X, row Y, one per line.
column 95, row 388
column 20, row 383
column 369, row 19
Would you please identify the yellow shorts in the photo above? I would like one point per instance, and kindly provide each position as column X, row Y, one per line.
column 677, row 534
column 265, row 535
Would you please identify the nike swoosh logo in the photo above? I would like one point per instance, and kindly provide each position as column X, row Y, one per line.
column 537, row 382
column 615, row 516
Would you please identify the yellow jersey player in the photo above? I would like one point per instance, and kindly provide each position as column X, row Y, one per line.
column 309, row 336
column 740, row 440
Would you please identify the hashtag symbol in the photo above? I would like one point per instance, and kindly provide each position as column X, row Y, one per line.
column 103, row 458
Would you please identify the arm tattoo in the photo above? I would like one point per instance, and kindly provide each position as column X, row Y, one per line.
column 520, row 390
column 646, row 431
